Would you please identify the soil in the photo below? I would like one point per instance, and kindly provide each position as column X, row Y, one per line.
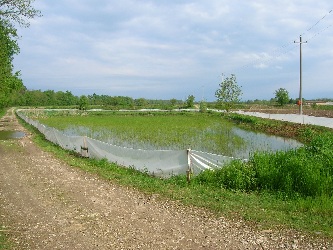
column 47, row 204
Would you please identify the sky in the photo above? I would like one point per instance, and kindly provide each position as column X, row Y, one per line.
column 172, row 49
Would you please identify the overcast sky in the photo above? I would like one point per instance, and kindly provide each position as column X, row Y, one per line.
column 171, row 49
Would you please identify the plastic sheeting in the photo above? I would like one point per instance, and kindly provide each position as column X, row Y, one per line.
column 201, row 161
column 303, row 119
column 160, row 163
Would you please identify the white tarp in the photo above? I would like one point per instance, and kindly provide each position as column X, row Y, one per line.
column 161, row 163
column 303, row 119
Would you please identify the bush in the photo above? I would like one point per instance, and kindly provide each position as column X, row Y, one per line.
column 306, row 171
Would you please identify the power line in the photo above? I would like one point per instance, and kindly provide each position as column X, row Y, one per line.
column 270, row 54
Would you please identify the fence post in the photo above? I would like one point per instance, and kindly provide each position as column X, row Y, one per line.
column 84, row 147
column 189, row 171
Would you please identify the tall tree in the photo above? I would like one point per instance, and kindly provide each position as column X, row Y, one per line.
column 18, row 11
column 9, row 81
column 189, row 101
column 11, row 12
column 282, row 96
column 83, row 102
column 229, row 93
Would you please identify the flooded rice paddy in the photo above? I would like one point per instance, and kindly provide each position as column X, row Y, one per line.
column 216, row 139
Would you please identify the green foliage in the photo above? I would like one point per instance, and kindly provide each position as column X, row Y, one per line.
column 203, row 107
column 306, row 171
column 147, row 130
column 229, row 93
column 18, row 11
column 237, row 175
column 141, row 102
column 173, row 101
column 325, row 107
column 282, row 96
column 241, row 189
column 10, row 82
column 189, row 101
column 83, row 102
column 14, row 11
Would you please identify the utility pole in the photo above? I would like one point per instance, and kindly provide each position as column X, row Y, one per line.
column 300, row 75
column 203, row 93
column 222, row 77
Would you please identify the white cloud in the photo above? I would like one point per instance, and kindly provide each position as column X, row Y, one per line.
column 173, row 46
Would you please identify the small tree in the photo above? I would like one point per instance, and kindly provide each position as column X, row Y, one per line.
column 83, row 102
column 190, row 101
column 173, row 101
column 229, row 93
column 141, row 102
column 282, row 96
column 203, row 106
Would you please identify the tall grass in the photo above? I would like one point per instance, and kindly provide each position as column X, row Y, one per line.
column 305, row 171
column 276, row 190
column 152, row 130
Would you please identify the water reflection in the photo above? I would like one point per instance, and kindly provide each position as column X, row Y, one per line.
column 217, row 139
column 5, row 135
column 262, row 142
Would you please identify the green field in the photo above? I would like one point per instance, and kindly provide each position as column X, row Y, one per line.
column 165, row 130
column 292, row 189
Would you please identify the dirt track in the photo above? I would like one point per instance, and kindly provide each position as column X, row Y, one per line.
column 46, row 204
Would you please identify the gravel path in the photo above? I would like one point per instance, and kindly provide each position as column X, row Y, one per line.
column 46, row 204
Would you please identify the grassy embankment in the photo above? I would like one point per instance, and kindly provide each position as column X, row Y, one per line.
column 292, row 189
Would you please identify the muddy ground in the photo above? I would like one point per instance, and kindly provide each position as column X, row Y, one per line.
column 47, row 204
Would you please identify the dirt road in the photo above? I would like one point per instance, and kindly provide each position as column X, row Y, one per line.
column 46, row 204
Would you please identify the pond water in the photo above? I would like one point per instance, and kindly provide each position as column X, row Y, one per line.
column 240, row 143
column 262, row 142
column 5, row 135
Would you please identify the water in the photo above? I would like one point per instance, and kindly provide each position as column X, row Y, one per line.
column 5, row 135
column 239, row 144
column 262, row 142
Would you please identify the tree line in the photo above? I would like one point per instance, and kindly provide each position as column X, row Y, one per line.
column 11, row 12
column 13, row 92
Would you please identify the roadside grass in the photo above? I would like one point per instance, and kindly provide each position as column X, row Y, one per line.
column 239, row 190
column 4, row 241
column 3, row 112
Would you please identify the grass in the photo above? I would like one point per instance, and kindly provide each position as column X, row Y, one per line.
column 208, row 132
column 3, row 112
column 154, row 130
column 5, row 243
column 291, row 190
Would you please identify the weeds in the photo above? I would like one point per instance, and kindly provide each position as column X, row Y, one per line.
column 292, row 189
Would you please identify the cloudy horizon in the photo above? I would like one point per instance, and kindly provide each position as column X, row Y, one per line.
column 172, row 49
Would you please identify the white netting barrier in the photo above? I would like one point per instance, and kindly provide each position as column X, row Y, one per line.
column 160, row 163
column 302, row 119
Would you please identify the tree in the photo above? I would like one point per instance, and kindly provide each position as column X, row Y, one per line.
column 190, row 101
column 229, row 93
column 141, row 102
column 203, row 106
column 11, row 11
column 282, row 96
column 18, row 11
column 10, row 82
column 173, row 101
column 83, row 102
